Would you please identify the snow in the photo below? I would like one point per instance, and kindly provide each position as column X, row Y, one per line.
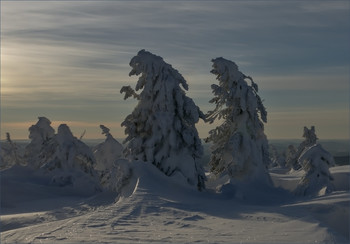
column 40, row 134
column 315, row 161
column 240, row 147
column 153, row 207
column 107, row 152
column 161, row 128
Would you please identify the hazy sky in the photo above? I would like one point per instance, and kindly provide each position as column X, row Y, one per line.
column 68, row 60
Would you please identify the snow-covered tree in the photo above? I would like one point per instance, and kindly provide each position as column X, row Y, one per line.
column 290, row 155
column 118, row 176
column 315, row 161
column 69, row 157
column 240, row 147
column 40, row 134
column 310, row 140
column 277, row 159
column 107, row 152
column 10, row 154
column 161, row 129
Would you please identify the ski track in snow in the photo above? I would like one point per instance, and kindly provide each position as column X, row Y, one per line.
column 154, row 212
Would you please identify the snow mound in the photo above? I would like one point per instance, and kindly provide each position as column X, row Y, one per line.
column 146, row 177
column 254, row 193
column 341, row 175
column 153, row 207
column 290, row 180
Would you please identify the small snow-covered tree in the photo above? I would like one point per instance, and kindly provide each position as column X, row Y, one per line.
column 40, row 134
column 310, row 140
column 70, row 158
column 277, row 159
column 10, row 154
column 106, row 155
column 67, row 152
column 161, row 129
column 240, row 147
column 107, row 152
column 290, row 155
column 315, row 161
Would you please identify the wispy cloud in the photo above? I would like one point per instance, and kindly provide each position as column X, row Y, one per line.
column 325, row 6
column 70, row 59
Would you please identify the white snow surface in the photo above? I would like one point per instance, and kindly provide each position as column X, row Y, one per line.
column 153, row 207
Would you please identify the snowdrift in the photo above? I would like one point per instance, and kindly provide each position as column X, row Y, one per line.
column 289, row 181
column 152, row 207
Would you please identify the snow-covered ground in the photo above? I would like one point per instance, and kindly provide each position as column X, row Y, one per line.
column 155, row 208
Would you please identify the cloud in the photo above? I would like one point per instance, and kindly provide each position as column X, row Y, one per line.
column 70, row 59
column 325, row 6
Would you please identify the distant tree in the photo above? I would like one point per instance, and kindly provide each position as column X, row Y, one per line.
column 277, row 159
column 290, row 155
column 310, row 140
column 240, row 147
column 10, row 154
column 315, row 161
column 161, row 129
column 40, row 134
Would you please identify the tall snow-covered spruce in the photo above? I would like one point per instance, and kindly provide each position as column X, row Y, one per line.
column 161, row 129
column 240, row 147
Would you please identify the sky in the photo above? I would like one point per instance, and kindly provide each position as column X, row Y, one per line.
column 67, row 60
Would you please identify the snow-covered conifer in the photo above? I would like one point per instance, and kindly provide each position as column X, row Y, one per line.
column 310, row 140
column 107, row 152
column 240, row 147
column 290, row 155
column 315, row 161
column 40, row 134
column 70, row 158
column 10, row 154
column 115, row 178
column 161, row 129
column 67, row 152
column 277, row 159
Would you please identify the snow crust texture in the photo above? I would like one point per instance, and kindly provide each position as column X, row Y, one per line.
column 146, row 211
